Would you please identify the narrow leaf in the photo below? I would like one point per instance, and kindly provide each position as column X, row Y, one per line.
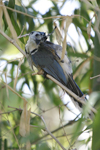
column 1, row 13
column 68, row 21
column 64, row 48
column 13, row 32
column 89, row 29
column 58, row 35
column 22, row 126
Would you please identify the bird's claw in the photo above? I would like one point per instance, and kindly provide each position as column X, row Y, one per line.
column 40, row 72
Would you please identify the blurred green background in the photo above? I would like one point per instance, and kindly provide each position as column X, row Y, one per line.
column 43, row 96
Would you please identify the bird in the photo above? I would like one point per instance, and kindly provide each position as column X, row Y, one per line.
column 46, row 56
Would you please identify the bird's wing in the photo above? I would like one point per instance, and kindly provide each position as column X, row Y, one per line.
column 45, row 59
column 71, row 84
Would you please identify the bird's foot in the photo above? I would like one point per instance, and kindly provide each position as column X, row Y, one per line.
column 84, row 97
column 40, row 72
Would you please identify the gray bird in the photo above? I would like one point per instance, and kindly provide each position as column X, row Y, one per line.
column 46, row 55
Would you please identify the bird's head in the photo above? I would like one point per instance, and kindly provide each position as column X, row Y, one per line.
column 36, row 37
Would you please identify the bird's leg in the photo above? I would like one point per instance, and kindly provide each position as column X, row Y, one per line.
column 83, row 97
column 40, row 72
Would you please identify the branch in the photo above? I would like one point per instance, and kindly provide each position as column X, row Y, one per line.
column 53, row 17
column 46, row 128
column 95, row 76
column 7, row 112
column 79, row 99
column 13, row 90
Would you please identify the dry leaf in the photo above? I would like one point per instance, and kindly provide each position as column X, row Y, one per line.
column 64, row 47
column 13, row 32
column 28, row 145
column 22, row 126
column 58, row 35
column 68, row 21
column 89, row 29
column 28, row 121
column 62, row 24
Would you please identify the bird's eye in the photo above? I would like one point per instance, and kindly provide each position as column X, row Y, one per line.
column 43, row 33
column 37, row 35
column 32, row 32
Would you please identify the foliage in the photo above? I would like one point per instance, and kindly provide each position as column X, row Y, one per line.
column 18, row 84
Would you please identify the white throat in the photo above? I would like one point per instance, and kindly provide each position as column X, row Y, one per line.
column 31, row 45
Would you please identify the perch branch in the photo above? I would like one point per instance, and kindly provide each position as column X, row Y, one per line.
column 79, row 99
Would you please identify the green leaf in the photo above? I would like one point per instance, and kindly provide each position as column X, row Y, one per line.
column 42, row 146
column 96, row 132
column 98, row 2
column 11, row 3
column 77, row 129
column 16, row 27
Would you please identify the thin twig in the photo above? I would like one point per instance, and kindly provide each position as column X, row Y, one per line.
column 20, row 12
column 22, row 31
column 80, row 67
column 20, row 36
column 8, row 112
column 48, row 132
column 65, row 132
column 52, row 134
column 95, row 76
column 59, row 128
column 13, row 42
column 13, row 90
column 46, row 128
